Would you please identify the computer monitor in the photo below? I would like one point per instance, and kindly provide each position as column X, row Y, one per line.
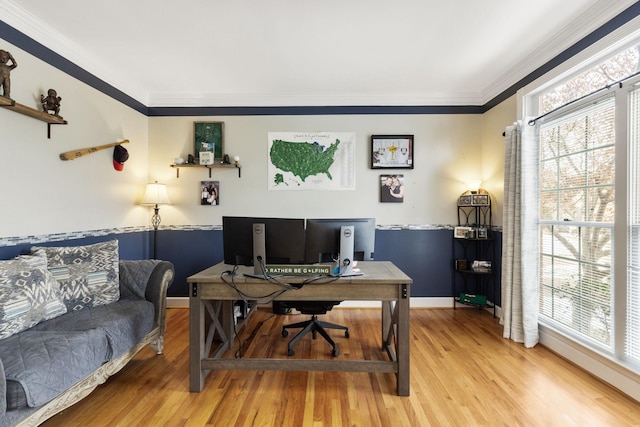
column 323, row 239
column 283, row 237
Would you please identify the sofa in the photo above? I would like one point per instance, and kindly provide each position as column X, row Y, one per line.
column 70, row 317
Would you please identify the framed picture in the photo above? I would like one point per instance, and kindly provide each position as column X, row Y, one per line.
column 462, row 232
column 480, row 199
column 483, row 233
column 462, row 264
column 391, row 151
column 464, row 200
column 391, row 188
column 210, row 193
column 208, row 138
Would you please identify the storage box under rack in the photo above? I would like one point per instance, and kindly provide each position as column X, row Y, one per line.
column 473, row 299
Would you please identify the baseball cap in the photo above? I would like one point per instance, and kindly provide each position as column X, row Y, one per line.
column 120, row 155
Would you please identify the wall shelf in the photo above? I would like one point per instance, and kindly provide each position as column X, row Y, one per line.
column 49, row 119
column 214, row 166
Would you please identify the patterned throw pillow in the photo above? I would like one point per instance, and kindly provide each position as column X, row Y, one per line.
column 88, row 275
column 29, row 294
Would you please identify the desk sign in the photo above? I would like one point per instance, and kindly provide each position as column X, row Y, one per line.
column 298, row 270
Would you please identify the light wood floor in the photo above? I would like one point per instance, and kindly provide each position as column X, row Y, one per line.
column 463, row 373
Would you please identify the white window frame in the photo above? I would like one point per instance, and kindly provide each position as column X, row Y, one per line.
column 612, row 368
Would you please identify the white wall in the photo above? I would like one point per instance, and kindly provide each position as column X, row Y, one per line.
column 447, row 154
column 42, row 194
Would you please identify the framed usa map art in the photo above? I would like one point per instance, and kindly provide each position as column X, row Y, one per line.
column 311, row 161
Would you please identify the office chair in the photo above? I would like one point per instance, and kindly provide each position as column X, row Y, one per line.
column 313, row 325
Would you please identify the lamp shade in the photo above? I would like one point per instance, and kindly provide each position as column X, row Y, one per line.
column 156, row 194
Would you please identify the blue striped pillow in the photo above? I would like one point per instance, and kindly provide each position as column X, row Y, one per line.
column 29, row 294
column 88, row 275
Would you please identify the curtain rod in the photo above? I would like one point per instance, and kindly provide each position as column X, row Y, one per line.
column 607, row 87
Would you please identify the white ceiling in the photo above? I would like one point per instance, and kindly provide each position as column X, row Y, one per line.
column 308, row 53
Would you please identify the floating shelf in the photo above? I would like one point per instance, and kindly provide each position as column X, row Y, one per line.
column 215, row 166
column 49, row 119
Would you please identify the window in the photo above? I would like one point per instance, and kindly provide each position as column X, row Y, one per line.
column 576, row 177
column 579, row 189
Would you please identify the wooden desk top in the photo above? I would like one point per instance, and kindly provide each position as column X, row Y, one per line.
column 378, row 282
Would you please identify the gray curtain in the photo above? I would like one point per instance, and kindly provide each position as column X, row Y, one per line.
column 520, row 235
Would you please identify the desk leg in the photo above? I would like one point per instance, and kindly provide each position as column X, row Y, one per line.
column 196, row 339
column 387, row 319
column 228, row 323
column 403, row 350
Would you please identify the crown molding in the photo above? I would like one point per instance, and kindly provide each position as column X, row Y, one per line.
column 21, row 20
column 343, row 99
column 593, row 18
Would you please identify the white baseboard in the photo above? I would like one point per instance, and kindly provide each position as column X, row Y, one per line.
column 416, row 302
column 596, row 364
column 177, row 302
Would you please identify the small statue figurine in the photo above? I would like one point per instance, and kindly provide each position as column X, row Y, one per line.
column 51, row 102
column 5, row 71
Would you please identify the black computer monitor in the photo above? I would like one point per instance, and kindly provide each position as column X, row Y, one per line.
column 284, row 240
column 323, row 239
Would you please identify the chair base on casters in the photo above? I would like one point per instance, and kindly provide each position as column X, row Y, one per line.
column 314, row 326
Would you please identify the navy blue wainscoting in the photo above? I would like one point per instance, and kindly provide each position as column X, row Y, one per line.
column 190, row 251
column 423, row 254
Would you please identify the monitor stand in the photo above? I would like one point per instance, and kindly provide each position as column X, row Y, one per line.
column 345, row 258
column 259, row 251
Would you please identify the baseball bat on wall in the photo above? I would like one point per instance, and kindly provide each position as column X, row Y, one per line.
column 74, row 154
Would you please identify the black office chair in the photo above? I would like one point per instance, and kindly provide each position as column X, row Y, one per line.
column 314, row 325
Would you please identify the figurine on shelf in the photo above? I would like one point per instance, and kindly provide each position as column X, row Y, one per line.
column 51, row 102
column 5, row 71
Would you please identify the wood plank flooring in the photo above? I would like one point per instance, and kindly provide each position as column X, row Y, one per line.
column 463, row 373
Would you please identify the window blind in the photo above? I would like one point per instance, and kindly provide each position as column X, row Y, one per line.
column 632, row 335
column 576, row 186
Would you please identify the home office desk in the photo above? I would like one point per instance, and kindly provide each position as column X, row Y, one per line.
column 210, row 296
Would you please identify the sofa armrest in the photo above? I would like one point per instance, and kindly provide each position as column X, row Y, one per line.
column 148, row 279
column 3, row 391
column 156, row 291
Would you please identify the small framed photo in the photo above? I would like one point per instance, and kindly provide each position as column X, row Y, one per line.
column 391, row 188
column 210, row 193
column 464, row 200
column 480, row 199
column 462, row 264
column 462, row 232
column 391, row 151
column 483, row 233
column 208, row 138
column 206, row 157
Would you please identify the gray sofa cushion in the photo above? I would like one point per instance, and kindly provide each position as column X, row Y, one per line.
column 45, row 363
column 125, row 322
column 88, row 275
column 28, row 294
